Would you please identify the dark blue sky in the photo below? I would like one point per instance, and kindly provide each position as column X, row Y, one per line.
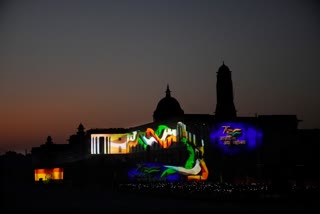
column 107, row 63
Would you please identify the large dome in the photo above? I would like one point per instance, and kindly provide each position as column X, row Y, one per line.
column 167, row 107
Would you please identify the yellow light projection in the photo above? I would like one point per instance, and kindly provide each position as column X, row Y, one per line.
column 118, row 144
column 109, row 143
column 48, row 174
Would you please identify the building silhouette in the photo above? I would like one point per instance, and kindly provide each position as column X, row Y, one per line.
column 267, row 147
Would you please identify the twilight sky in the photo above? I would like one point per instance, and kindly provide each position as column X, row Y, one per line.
column 106, row 64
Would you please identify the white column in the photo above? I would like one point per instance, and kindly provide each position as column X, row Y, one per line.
column 109, row 145
column 94, row 145
column 91, row 145
column 105, row 145
column 98, row 145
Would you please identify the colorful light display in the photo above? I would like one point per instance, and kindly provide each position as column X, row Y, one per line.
column 194, row 168
column 48, row 174
column 235, row 137
column 126, row 142
column 109, row 143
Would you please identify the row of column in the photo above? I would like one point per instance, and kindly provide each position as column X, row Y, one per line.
column 95, row 144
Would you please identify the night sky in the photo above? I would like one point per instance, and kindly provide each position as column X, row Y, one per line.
column 106, row 64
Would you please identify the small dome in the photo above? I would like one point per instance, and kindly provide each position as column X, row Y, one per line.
column 167, row 107
column 223, row 68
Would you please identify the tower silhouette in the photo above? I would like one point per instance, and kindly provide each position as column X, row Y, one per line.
column 225, row 109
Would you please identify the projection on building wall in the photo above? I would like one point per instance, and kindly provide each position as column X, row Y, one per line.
column 109, row 143
column 47, row 175
column 235, row 137
column 135, row 141
column 194, row 167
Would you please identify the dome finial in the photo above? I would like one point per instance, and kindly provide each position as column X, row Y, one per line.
column 168, row 92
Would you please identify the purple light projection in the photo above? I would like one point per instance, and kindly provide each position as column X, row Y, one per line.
column 235, row 137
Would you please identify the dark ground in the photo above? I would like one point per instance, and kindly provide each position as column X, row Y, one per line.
column 62, row 199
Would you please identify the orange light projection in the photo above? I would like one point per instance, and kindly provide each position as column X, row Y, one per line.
column 48, row 174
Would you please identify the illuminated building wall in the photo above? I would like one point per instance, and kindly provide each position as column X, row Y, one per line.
column 194, row 169
column 128, row 142
column 235, row 137
column 161, row 138
column 229, row 137
column 48, row 174
column 109, row 143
